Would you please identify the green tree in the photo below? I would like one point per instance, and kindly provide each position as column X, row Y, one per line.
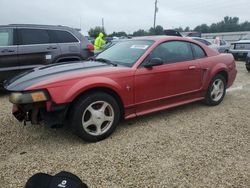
column 179, row 29
column 245, row 26
column 187, row 29
column 157, row 31
column 94, row 32
column 203, row 28
column 140, row 32
column 228, row 24
column 118, row 34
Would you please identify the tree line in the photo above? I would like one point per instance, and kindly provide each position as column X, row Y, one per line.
column 228, row 24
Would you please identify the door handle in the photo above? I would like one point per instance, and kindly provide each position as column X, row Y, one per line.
column 192, row 67
column 7, row 50
column 51, row 48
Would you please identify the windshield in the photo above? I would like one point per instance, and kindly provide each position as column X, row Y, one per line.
column 126, row 53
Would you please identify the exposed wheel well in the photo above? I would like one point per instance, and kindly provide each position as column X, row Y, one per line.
column 224, row 74
column 104, row 90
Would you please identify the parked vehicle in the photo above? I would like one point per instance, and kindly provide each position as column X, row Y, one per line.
column 132, row 78
column 171, row 32
column 24, row 47
column 108, row 45
column 206, row 42
column 241, row 48
column 224, row 46
column 191, row 34
column 248, row 62
column 91, row 39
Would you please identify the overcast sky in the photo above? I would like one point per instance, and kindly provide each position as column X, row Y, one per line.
column 121, row 15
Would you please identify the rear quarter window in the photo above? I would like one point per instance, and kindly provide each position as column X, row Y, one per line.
column 198, row 51
column 6, row 37
column 58, row 36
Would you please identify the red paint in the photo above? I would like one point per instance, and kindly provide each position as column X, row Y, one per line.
column 150, row 90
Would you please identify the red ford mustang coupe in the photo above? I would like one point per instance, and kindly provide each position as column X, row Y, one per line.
column 132, row 78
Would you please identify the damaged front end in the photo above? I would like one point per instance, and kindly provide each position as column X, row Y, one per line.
column 37, row 108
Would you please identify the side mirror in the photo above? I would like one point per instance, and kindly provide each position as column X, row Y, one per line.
column 154, row 62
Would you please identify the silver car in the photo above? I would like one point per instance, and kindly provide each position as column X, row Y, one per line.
column 241, row 48
column 224, row 46
column 206, row 42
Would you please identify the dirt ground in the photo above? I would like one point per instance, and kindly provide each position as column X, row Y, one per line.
column 189, row 146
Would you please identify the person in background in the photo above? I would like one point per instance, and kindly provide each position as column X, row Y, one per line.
column 99, row 42
column 216, row 41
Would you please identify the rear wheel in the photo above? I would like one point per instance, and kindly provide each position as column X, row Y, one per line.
column 216, row 91
column 248, row 64
column 95, row 116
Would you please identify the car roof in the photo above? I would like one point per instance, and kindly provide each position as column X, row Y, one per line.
column 163, row 38
column 197, row 38
column 243, row 41
column 52, row 27
column 158, row 38
column 38, row 26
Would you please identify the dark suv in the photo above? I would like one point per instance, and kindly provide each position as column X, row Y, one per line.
column 24, row 47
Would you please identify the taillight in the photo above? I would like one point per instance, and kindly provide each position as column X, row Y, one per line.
column 90, row 47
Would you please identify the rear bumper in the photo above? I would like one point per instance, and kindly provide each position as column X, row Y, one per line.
column 239, row 53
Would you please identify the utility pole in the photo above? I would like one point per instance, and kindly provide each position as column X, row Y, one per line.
column 103, row 24
column 80, row 23
column 156, row 10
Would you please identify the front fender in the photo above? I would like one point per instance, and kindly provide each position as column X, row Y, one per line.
column 66, row 94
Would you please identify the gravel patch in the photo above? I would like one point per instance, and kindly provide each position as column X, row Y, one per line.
column 188, row 146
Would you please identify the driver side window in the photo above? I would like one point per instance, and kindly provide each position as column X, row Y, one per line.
column 172, row 52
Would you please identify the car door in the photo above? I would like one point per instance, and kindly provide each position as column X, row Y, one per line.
column 35, row 48
column 179, row 78
column 67, row 42
column 8, row 54
column 223, row 46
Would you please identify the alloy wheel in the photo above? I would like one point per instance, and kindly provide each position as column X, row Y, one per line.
column 97, row 118
column 217, row 90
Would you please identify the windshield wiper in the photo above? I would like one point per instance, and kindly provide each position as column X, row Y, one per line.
column 104, row 61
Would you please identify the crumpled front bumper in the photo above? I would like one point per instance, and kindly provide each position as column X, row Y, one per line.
column 37, row 113
column 24, row 113
column 18, row 113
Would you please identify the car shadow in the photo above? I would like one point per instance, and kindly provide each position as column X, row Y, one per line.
column 65, row 132
column 153, row 117
column 54, row 135
column 3, row 92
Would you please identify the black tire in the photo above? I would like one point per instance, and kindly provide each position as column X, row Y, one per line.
column 79, row 109
column 209, row 100
column 248, row 68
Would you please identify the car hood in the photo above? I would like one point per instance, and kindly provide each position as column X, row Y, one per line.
column 49, row 72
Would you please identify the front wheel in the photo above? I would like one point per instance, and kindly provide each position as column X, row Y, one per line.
column 216, row 91
column 248, row 68
column 95, row 116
